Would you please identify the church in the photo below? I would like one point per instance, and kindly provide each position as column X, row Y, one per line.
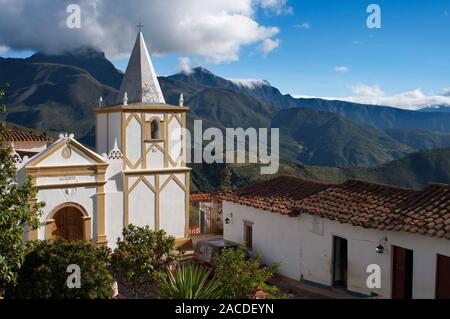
column 137, row 175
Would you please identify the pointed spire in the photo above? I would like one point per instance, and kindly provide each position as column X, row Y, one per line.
column 140, row 80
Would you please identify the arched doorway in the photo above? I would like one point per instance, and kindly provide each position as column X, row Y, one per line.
column 70, row 222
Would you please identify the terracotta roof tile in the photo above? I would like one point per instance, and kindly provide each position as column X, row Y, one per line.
column 355, row 202
column 200, row 197
column 16, row 135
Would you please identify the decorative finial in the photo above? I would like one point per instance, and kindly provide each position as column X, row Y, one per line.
column 181, row 99
column 125, row 99
column 100, row 102
column 115, row 153
column 140, row 27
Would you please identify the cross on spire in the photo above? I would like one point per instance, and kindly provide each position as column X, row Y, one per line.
column 140, row 27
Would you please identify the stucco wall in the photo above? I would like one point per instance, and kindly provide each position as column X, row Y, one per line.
column 306, row 253
column 84, row 196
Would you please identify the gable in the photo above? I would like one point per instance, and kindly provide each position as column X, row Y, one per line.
column 66, row 152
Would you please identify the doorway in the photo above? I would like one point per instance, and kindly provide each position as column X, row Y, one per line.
column 443, row 277
column 340, row 262
column 402, row 276
column 69, row 224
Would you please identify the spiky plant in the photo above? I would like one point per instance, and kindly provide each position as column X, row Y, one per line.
column 189, row 281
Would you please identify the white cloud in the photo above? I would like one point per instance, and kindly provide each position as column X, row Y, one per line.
column 250, row 83
column 269, row 45
column 278, row 7
column 411, row 100
column 303, row 25
column 342, row 69
column 185, row 65
column 3, row 49
column 214, row 29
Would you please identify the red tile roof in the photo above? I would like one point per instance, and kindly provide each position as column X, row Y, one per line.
column 278, row 195
column 359, row 203
column 16, row 135
column 201, row 197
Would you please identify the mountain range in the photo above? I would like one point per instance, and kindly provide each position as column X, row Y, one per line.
column 57, row 93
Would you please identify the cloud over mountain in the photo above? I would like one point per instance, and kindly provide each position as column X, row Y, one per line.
column 411, row 100
column 214, row 29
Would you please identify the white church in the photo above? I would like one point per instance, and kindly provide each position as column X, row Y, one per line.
column 138, row 175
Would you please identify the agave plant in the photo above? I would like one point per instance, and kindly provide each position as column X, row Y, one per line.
column 189, row 281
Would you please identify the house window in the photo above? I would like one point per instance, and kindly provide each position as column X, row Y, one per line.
column 248, row 234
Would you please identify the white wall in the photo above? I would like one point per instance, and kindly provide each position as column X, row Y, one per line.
column 114, row 202
column 306, row 254
column 173, row 210
column 102, row 138
column 84, row 196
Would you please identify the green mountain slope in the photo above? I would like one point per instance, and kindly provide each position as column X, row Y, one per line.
column 327, row 139
column 51, row 97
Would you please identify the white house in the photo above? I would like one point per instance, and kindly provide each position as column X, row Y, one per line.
column 138, row 175
column 332, row 235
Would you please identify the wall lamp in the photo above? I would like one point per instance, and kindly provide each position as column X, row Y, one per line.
column 381, row 244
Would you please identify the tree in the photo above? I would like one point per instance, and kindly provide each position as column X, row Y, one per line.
column 190, row 281
column 15, row 213
column 239, row 275
column 226, row 178
column 50, row 266
column 143, row 255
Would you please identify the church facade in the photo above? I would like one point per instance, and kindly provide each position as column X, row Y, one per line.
column 138, row 174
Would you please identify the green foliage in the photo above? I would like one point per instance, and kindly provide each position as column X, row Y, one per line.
column 226, row 178
column 240, row 276
column 44, row 273
column 143, row 255
column 190, row 281
column 15, row 213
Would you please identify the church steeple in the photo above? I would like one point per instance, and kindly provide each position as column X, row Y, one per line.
column 140, row 82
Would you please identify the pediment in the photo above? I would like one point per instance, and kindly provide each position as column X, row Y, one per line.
column 66, row 152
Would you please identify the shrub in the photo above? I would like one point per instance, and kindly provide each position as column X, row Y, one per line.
column 15, row 212
column 44, row 274
column 190, row 281
column 240, row 276
column 143, row 255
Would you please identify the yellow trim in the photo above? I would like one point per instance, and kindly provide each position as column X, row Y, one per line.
column 187, row 205
column 73, row 170
column 166, row 144
column 143, row 138
column 184, row 142
column 50, row 225
column 73, row 185
column 60, row 145
column 87, row 222
column 126, row 203
column 162, row 171
column 145, row 108
column 101, row 216
column 157, row 204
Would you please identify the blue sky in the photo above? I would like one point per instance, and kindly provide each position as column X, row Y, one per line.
column 411, row 51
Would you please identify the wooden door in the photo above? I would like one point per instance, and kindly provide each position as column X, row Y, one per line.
column 443, row 277
column 402, row 273
column 69, row 224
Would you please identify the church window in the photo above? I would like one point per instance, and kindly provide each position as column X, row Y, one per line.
column 154, row 130
column 155, row 133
